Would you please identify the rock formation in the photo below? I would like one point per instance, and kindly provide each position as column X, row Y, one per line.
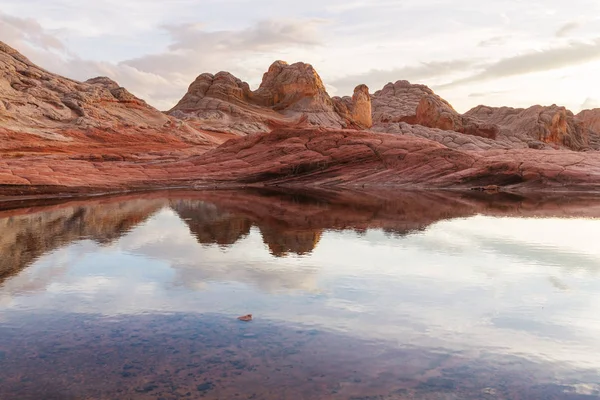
column 539, row 125
column 591, row 120
column 35, row 98
column 417, row 104
column 58, row 135
column 356, row 108
column 42, row 112
column 289, row 95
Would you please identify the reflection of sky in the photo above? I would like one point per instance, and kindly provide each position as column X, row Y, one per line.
column 520, row 286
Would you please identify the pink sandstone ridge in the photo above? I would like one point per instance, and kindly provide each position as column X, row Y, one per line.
column 63, row 136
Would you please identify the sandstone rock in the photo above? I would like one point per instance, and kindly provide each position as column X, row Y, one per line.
column 591, row 121
column 356, row 108
column 38, row 98
column 418, row 104
column 42, row 112
column 222, row 86
column 289, row 95
column 553, row 125
column 295, row 87
column 58, row 135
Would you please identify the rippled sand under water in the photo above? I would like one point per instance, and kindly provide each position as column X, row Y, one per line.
column 354, row 296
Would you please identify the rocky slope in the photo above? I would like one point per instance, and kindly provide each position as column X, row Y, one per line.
column 289, row 95
column 540, row 126
column 591, row 120
column 41, row 112
column 303, row 157
column 58, row 135
column 419, row 105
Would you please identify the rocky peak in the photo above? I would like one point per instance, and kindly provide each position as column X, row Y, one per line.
column 289, row 95
column 222, row 86
column 33, row 99
column 418, row 104
column 590, row 119
column 356, row 108
column 554, row 125
column 103, row 81
column 295, row 87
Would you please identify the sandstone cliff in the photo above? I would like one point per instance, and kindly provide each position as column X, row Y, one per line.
column 35, row 98
column 289, row 95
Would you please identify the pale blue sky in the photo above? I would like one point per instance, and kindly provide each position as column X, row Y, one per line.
column 512, row 52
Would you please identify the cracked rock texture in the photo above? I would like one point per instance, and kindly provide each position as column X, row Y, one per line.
column 591, row 120
column 331, row 158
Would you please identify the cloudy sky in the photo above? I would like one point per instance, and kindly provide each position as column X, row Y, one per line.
column 513, row 52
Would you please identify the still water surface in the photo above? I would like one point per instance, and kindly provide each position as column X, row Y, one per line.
column 354, row 296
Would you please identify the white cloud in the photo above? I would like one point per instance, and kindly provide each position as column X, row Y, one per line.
column 568, row 28
column 536, row 61
column 163, row 77
column 156, row 48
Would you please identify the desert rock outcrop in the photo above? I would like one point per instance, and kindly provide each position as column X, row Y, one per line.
column 538, row 125
column 591, row 121
column 43, row 112
column 417, row 104
column 58, row 135
column 289, row 95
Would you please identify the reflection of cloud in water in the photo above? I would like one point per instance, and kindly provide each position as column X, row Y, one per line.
column 245, row 261
column 477, row 283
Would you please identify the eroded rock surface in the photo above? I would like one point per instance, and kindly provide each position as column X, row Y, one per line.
column 538, row 126
column 417, row 104
column 591, row 120
column 44, row 113
column 58, row 135
column 345, row 158
column 289, row 95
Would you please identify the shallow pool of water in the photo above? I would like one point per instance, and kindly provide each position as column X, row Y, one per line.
column 353, row 296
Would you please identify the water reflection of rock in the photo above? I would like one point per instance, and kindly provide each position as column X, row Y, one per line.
column 284, row 242
column 208, row 224
column 28, row 234
column 290, row 222
column 293, row 221
column 211, row 225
